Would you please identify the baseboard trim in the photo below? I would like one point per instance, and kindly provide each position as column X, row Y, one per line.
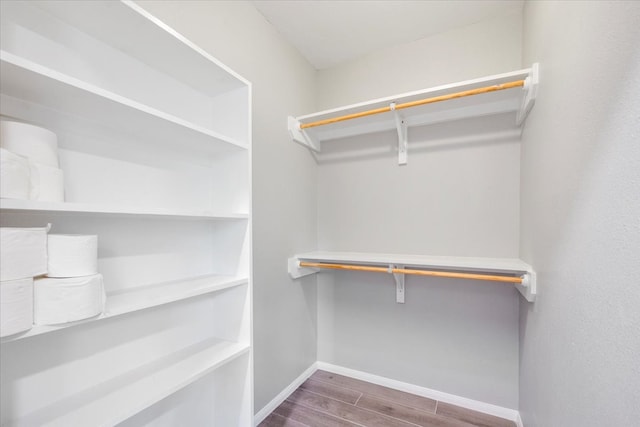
column 487, row 408
column 282, row 396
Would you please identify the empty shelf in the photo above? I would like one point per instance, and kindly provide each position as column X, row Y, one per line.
column 112, row 402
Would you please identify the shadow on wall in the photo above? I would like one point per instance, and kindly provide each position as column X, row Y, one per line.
column 447, row 136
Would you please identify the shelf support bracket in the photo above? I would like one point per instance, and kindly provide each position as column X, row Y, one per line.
column 295, row 271
column 300, row 136
column 399, row 278
column 528, row 287
column 531, row 91
column 401, row 126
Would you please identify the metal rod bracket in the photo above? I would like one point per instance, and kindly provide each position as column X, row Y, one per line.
column 301, row 136
column 528, row 287
column 531, row 91
column 399, row 278
column 401, row 127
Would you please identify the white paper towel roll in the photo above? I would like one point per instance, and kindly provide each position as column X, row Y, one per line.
column 16, row 306
column 47, row 183
column 67, row 300
column 14, row 175
column 23, row 252
column 72, row 255
column 38, row 144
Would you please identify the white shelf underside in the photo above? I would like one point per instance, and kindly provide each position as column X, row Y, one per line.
column 136, row 299
column 112, row 402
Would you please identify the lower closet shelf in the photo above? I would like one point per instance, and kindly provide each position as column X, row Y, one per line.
column 144, row 297
column 114, row 401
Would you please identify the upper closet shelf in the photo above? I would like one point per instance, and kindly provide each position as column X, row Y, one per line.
column 512, row 92
column 507, row 270
column 68, row 96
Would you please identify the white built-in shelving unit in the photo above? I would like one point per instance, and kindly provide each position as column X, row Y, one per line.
column 154, row 140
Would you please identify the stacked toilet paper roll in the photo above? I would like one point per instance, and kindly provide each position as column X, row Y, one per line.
column 23, row 252
column 73, row 290
column 72, row 255
column 46, row 183
column 40, row 147
column 67, row 300
column 23, row 255
column 16, row 306
column 15, row 174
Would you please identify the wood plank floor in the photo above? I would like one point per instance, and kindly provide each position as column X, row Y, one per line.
column 332, row 400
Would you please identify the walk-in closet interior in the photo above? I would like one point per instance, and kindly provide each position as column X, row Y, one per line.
column 319, row 213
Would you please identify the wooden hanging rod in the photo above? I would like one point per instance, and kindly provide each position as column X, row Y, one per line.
column 470, row 92
column 448, row 274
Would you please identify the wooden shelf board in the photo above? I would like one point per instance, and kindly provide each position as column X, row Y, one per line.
column 141, row 298
column 35, row 206
column 114, row 401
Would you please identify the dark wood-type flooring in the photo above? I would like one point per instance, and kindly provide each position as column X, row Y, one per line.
column 331, row 400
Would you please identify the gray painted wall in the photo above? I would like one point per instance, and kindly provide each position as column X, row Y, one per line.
column 580, row 227
column 459, row 195
column 284, row 178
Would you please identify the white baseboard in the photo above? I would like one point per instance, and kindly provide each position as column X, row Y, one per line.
column 475, row 405
column 282, row 396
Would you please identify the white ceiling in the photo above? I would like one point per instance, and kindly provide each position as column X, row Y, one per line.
column 328, row 32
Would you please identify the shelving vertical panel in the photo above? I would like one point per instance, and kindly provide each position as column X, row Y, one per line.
column 149, row 127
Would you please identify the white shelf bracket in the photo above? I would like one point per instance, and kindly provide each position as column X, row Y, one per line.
column 295, row 271
column 531, row 91
column 300, row 136
column 528, row 287
column 399, row 278
column 401, row 126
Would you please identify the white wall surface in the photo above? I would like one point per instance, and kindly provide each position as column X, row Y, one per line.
column 488, row 47
column 457, row 196
column 580, row 342
column 284, row 178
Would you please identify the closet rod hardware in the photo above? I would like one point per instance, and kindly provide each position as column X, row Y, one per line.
column 505, row 270
column 401, row 126
column 462, row 94
column 394, row 270
column 309, row 130
column 399, row 278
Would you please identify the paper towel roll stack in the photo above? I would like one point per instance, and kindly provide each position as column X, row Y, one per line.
column 72, row 255
column 16, row 306
column 14, row 176
column 67, row 300
column 39, row 147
